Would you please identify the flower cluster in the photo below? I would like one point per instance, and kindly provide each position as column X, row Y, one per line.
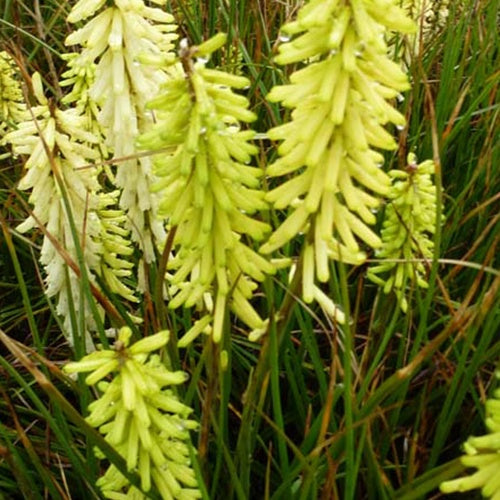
column 80, row 79
column 115, row 241
column 61, row 151
column 410, row 220
column 339, row 103
column 209, row 191
column 117, row 39
column 430, row 14
column 12, row 105
column 56, row 143
column 141, row 417
column 482, row 453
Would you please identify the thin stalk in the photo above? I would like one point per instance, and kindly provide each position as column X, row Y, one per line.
column 257, row 386
column 349, row 401
column 22, row 285
column 223, row 421
column 277, row 398
column 381, row 351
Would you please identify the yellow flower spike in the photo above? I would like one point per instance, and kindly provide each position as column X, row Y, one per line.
column 482, row 453
column 339, row 106
column 208, row 189
column 13, row 109
column 140, row 415
column 410, row 219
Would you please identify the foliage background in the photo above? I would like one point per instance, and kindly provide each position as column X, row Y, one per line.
column 301, row 429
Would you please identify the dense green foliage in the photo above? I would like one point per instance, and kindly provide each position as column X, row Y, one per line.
column 375, row 408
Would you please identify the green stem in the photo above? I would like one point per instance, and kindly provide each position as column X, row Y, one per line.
column 349, row 401
column 257, row 385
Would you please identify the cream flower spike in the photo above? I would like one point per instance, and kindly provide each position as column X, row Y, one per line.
column 80, row 79
column 141, row 417
column 339, row 103
column 430, row 16
column 483, row 454
column 409, row 223
column 112, row 221
column 117, row 39
column 64, row 135
column 209, row 192
column 12, row 106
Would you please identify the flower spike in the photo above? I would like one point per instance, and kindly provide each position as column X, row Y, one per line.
column 483, row 454
column 141, row 417
column 339, row 103
column 410, row 218
column 209, row 191
column 12, row 107
column 117, row 40
column 64, row 135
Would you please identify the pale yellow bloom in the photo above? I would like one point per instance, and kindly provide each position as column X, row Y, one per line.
column 141, row 417
column 409, row 223
column 209, row 192
column 117, row 39
column 328, row 149
column 63, row 134
column 98, row 222
column 483, row 454
column 12, row 107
